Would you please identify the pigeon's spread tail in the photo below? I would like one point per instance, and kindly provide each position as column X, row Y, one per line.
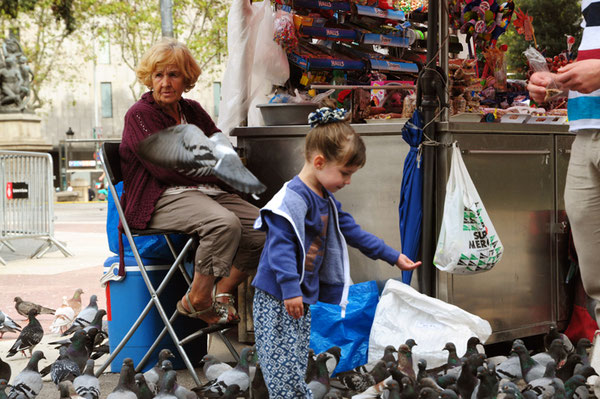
column 233, row 172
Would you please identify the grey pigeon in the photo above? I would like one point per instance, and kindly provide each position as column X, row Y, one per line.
column 333, row 355
column 67, row 391
column 530, row 369
column 541, row 385
column 258, row 387
column 87, row 384
column 76, row 350
column 319, row 385
column 154, row 375
column 23, row 307
column 232, row 392
column 28, row 383
column 30, row 336
column 129, row 379
column 572, row 384
column 238, row 375
column 167, row 386
column 213, row 367
column 5, row 371
column 568, row 369
column 471, row 347
column 63, row 368
column 488, row 381
column 359, row 381
column 179, row 391
column 123, row 390
column 553, row 334
column 311, row 365
column 3, row 385
column 556, row 352
column 388, row 356
column 583, row 345
column 467, row 381
column 7, row 325
column 85, row 317
column 144, row 391
column 187, row 148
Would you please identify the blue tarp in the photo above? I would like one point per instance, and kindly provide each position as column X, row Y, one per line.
column 410, row 208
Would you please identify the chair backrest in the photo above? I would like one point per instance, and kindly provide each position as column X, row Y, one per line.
column 112, row 162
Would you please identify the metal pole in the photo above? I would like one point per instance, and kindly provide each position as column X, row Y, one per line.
column 429, row 104
column 166, row 17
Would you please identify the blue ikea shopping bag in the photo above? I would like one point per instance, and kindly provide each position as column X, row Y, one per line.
column 351, row 333
column 153, row 247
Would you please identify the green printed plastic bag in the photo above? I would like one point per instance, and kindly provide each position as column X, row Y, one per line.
column 468, row 242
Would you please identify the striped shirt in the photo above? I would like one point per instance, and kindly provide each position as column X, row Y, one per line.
column 584, row 109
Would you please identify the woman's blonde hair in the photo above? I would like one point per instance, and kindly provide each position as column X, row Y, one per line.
column 164, row 53
column 337, row 142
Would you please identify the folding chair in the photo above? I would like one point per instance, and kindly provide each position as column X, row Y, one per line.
column 111, row 163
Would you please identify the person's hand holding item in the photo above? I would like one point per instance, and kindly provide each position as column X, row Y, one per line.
column 582, row 76
column 294, row 307
column 538, row 85
column 406, row 264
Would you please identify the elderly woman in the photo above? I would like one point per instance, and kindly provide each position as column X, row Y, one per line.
column 159, row 198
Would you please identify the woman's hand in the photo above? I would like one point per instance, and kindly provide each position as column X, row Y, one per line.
column 538, row 83
column 406, row 264
column 582, row 76
column 294, row 307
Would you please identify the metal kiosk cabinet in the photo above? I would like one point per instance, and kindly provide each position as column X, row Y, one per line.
column 519, row 172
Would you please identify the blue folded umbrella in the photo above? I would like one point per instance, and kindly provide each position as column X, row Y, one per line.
column 410, row 208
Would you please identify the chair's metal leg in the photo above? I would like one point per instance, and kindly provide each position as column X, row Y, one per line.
column 228, row 344
column 162, row 334
column 126, row 338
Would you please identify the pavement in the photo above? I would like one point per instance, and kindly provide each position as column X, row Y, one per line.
column 81, row 227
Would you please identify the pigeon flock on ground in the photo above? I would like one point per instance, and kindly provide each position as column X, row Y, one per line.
column 561, row 371
column 84, row 339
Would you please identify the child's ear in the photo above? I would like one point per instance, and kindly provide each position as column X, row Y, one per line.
column 319, row 161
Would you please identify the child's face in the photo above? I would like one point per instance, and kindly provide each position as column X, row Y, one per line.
column 334, row 176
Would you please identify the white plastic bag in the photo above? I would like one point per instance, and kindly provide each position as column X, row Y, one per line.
column 403, row 312
column 468, row 242
column 255, row 63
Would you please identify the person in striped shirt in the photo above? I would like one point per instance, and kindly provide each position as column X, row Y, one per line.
column 582, row 191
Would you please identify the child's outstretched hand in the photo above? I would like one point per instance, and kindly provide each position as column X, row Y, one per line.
column 406, row 264
column 294, row 307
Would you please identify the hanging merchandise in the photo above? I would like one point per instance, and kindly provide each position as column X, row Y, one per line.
column 524, row 24
column 468, row 242
column 285, row 33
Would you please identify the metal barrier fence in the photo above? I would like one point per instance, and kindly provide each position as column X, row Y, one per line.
column 27, row 205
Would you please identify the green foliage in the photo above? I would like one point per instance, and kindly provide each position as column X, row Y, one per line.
column 134, row 27
column 552, row 21
column 42, row 35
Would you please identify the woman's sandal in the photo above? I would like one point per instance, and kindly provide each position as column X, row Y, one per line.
column 217, row 308
column 229, row 305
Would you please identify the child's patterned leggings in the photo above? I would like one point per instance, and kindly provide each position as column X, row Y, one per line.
column 282, row 346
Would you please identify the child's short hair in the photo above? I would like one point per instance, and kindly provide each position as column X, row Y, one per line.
column 336, row 141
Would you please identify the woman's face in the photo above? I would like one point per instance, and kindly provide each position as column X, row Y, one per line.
column 167, row 85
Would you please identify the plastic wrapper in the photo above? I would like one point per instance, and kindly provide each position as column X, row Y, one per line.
column 537, row 63
column 285, row 32
column 255, row 64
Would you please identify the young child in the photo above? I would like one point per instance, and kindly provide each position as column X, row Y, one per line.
column 305, row 258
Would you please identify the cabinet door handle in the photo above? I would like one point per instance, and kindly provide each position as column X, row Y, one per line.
column 507, row 152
